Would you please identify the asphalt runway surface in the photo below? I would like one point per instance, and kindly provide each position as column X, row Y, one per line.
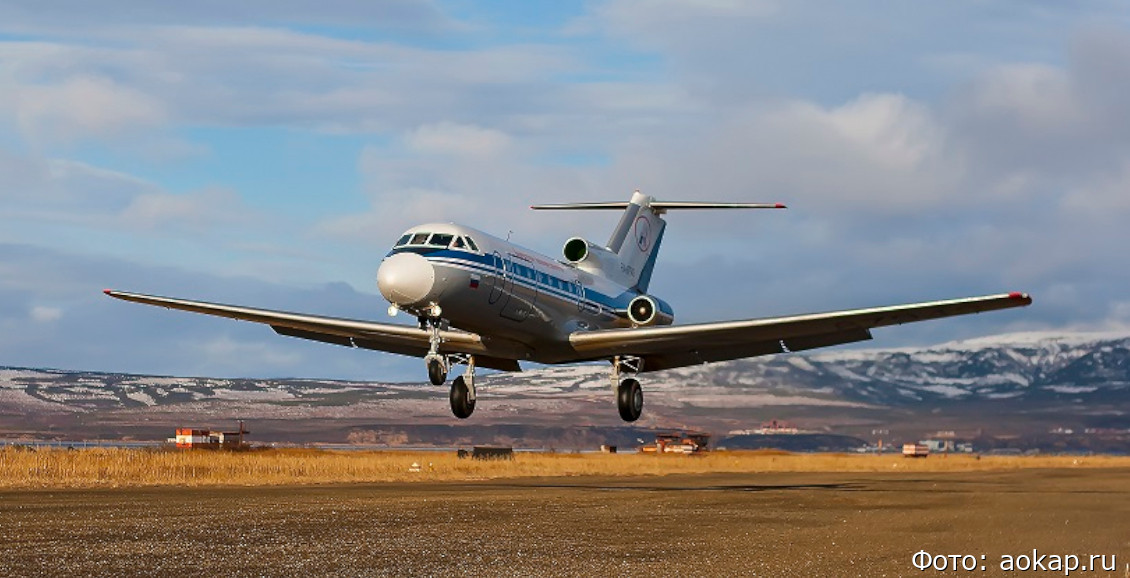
column 774, row 524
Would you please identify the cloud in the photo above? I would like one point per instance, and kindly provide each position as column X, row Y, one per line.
column 94, row 332
column 457, row 139
column 929, row 152
column 44, row 314
column 72, row 193
column 420, row 16
column 80, row 107
column 193, row 211
column 158, row 77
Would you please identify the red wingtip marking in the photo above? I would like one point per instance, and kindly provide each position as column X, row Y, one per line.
column 106, row 291
column 1016, row 295
column 781, row 206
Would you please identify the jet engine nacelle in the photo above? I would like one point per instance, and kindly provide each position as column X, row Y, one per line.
column 647, row 310
column 589, row 256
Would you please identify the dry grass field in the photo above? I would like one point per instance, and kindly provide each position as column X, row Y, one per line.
column 101, row 467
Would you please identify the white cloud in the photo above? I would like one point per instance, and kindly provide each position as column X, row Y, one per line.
column 1009, row 169
column 457, row 139
column 676, row 24
column 80, row 107
column 193, row 211
column 78, row 17
column 44, row 314
column 232, row 357
column 63, row 188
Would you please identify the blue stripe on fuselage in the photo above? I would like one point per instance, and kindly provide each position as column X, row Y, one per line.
column 486, row 264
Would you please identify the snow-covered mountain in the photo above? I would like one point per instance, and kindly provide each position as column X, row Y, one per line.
column 1041, row 367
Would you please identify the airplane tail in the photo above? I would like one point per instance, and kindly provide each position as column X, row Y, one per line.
column 629, row 258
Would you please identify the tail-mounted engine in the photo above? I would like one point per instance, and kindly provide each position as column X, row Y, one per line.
column 576, row 250
column 647, row 310
column 589, row 256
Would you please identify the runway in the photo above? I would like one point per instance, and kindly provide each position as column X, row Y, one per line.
column 774, row 524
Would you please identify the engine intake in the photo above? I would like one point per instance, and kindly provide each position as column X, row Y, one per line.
column 645, row 310
column 576, row 249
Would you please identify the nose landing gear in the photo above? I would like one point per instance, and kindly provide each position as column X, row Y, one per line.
column 437, row 364
column 437, row 369
column 463, row 387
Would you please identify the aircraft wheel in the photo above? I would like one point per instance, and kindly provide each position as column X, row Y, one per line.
column 461, row 403
column 629, row 399
column 437, row 373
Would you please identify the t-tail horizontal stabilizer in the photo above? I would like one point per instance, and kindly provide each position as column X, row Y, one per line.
column 629, row 257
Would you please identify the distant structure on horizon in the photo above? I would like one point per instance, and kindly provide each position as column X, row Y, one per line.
column 201, row 438
column 772, row 427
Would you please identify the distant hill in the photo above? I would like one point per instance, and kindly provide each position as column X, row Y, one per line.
column 1020, row 384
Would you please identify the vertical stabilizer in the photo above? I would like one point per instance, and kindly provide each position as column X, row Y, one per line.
column 636, row 240
column 629, row 258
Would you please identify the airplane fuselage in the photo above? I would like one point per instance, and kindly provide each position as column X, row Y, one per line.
column 487, row 285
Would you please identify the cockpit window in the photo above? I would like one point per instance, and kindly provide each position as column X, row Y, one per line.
column 440, row 240
column 404, row 240
column 458, row 243
column 418, row 239
column 471, row 244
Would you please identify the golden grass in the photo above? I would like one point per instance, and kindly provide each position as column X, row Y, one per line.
column 105, row 467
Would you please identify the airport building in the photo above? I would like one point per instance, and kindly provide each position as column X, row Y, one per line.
column 202, row 438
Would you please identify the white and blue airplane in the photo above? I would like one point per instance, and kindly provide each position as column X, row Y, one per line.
column 482, row 301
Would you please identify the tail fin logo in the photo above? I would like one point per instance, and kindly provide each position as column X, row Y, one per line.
column 643, row 234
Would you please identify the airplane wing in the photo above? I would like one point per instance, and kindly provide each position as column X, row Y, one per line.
column 681, row 345
column 402, row 339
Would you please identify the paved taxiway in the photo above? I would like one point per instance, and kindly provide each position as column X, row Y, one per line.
column 779, row 524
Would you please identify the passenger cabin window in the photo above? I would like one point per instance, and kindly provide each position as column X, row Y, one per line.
column 440, row 240
column 404, row 240
column 418, row 239
column 472, row 245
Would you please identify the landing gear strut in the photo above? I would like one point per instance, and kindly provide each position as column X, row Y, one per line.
column 437, row 364
column 629, row 394
column 463, row 387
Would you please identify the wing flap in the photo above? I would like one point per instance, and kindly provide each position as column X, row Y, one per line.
column 679, row 345
column 312, row 336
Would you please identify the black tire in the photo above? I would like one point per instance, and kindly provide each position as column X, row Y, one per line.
column 461, row 403
column 436, row 373
column 629, row 399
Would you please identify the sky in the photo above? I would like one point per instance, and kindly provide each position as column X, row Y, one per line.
column 268, row 153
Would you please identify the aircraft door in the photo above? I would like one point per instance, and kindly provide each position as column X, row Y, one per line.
column 518, row 298
column 582, row 304
column 498, row 280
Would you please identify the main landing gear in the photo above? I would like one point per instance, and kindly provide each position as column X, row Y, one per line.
column 463, row 387
column 463, row 394
column 629, row 394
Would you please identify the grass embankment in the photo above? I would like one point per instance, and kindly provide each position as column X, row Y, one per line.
column 101, row 467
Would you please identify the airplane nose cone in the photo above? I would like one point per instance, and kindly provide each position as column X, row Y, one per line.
column 405, row 279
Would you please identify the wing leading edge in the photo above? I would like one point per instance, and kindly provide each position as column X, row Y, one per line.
column 392, row 338
column 681, row 345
